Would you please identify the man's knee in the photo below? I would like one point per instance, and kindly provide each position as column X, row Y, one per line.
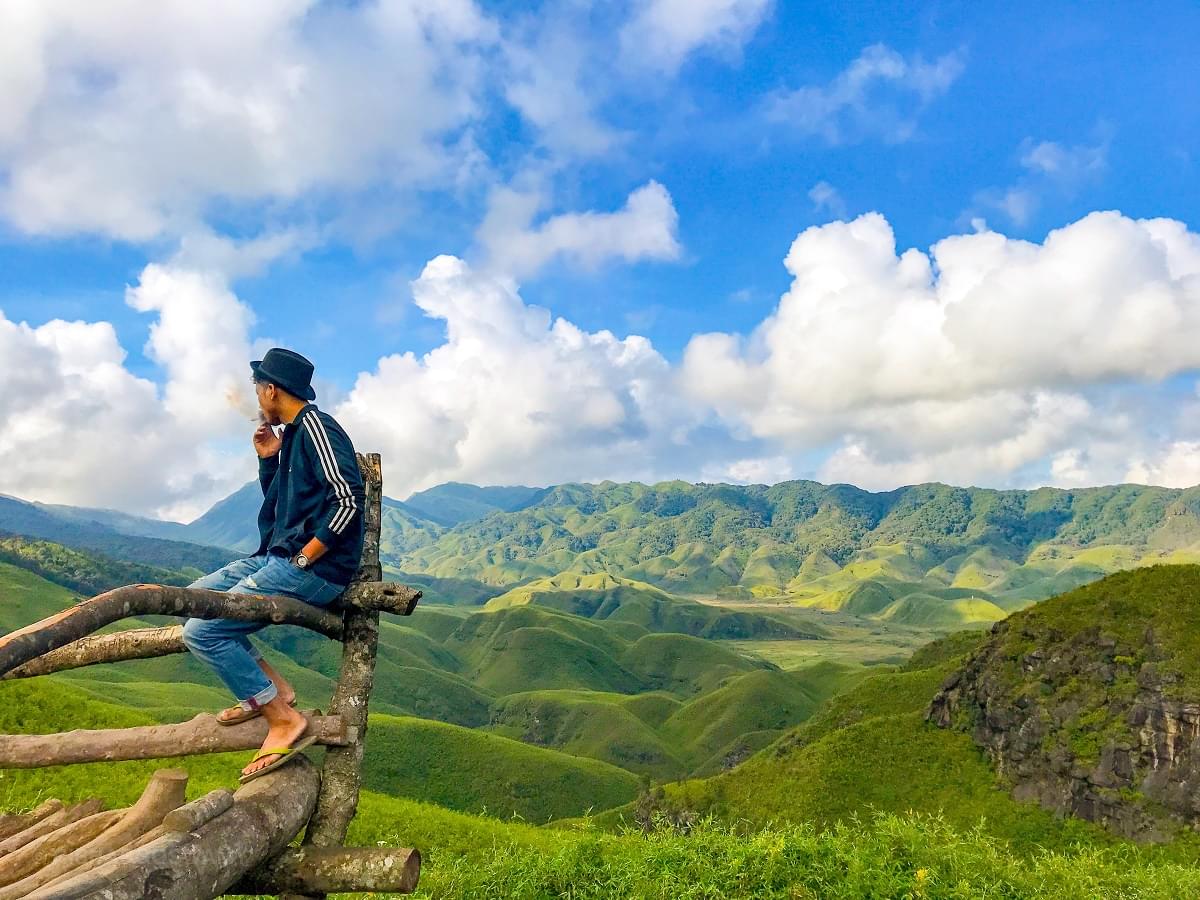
column 198, row 634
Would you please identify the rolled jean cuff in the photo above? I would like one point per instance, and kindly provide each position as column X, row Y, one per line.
column 262, row 698
column 255, row 653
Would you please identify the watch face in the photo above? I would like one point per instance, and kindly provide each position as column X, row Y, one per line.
column 301, row 560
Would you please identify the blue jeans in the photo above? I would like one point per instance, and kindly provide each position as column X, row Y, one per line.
column 224, row 643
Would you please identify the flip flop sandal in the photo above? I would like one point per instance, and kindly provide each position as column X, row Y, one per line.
column 286, row 755
column 246, row 715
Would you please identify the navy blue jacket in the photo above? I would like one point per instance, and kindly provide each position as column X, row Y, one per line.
column 313, row 488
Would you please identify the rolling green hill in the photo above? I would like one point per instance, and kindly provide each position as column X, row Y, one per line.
column 615, row 599
column 982, row 553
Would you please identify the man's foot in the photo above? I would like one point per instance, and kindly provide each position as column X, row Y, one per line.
column 237, row 713
column 287, row 726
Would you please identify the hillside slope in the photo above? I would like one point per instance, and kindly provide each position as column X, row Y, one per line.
column 1090, row 702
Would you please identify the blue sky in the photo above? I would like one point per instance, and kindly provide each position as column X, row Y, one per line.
column 747, row 122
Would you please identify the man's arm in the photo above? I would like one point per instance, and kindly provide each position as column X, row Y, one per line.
column 337, row 467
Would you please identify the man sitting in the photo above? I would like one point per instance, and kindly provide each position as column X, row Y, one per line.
column 311, row 528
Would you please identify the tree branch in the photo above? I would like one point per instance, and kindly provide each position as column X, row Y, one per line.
column 202, row 734
column 328, row 870
column 155, row 599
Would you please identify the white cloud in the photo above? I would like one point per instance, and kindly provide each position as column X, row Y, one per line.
column 128, row 119
column 827, row 199
column 1050, row 169
column 80, row 428
column 513, row 395
column 1175, row 465
column 970, row 363
column 662, row 33
column 644, row 228
column 880, row 93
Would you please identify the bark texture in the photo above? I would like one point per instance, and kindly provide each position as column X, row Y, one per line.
column 164, row 792
column 36, row 854
column 204, row 863
column 11, row 824
column 136, row 643
column 63, row 816
column 202, row 734
column 341, row 777
column 328, row 870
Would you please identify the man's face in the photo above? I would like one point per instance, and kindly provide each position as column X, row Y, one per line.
column 268, row 399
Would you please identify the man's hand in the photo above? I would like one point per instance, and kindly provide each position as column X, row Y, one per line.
column 266, row 444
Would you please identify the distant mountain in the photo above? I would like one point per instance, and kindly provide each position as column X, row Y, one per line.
column 454, row 503
column 232, row 522
column 139, row 526
column 422, row 518
column 71, row 527
column 929, row 555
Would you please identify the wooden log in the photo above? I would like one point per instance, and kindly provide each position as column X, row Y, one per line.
column 152, row 835
column 136, row 643
column 146, row 643
column 383, row 596
column 370, row 466
column 11, row 824
column 201, row 734
column 198, row 812
column 164, row 792
column 327, row 870
column 188, row 817
column 64, row 816
column 341, row 775
column 57, row 631
column 202, row 864
column 39, row 853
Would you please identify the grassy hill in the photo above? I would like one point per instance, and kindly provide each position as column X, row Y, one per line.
column 615, row 599
column 869, row 749
column 982, row 553
column 468, row 856
column 75, row 530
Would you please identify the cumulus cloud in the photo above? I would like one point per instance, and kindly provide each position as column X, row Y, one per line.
column 128, row 118
column 80, row 428
column 880, row 94
column 644, row 228
column 662, row 33
column 513, row 395
column 971, row 362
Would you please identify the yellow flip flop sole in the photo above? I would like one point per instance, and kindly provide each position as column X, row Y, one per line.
column 286, row 755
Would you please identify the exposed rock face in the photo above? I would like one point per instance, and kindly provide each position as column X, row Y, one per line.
column 1083, row 724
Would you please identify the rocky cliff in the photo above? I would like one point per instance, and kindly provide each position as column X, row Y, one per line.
column 1089, row 703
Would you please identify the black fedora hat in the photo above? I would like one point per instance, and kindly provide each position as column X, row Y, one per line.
column 288, row 369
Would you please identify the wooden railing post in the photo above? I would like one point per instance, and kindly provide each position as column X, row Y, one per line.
column 341, row 776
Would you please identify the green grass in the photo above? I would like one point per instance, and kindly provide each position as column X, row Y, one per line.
column 884, row 856
column 473, row 771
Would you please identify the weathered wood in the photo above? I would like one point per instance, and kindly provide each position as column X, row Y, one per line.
column 152, row 835
column 202, row 734
column 202, row 864
column 39, row 853
column 341, row 777
column 57, row 631
column 164, row 792
column 382, row 596
column 11, row 824
column 198, row 812
column 328, row 870
column 370, row 466
column 63, row 816
column 188, row 817
column 146, row 643
column 136, row 643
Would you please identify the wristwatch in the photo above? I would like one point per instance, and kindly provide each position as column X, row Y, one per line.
column 300, row 561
